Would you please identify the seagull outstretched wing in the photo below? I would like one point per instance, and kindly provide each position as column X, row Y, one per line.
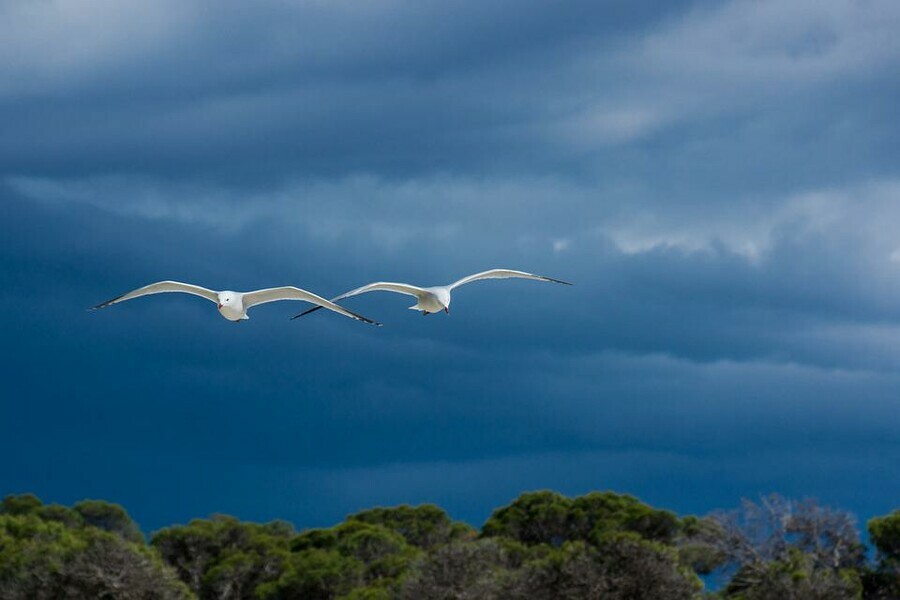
column 383, row 286
column 503, row 274
column 293, row 293
column 161, row 287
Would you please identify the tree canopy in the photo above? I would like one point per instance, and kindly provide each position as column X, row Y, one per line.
column 542, row 546
column 55, row 552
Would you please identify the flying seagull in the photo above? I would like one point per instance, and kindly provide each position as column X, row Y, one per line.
column 234, row 305
column 435, row 299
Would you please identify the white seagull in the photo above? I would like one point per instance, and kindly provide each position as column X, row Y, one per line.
column 435, row 299
column 234, row 305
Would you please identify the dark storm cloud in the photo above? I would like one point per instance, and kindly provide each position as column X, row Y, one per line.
column 718, row 179
column 285, row 87
column 583, row 89
column 292, row 395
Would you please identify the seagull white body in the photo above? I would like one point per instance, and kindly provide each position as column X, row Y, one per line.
column 436, row 299
column 433, row 299
column 234, row 305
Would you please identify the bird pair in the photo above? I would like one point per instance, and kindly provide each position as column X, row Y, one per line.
column 234, row 305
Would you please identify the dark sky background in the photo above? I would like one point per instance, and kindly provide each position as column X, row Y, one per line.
column 719, row 179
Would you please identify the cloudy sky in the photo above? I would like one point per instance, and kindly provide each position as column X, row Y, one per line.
column 719, row 179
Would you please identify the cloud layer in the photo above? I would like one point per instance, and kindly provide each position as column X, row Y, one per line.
column 718, row 178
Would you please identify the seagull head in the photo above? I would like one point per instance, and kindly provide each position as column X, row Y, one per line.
column 226, row 299
column 443, row 296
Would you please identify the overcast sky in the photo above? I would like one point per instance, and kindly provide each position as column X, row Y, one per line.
column 719, row 179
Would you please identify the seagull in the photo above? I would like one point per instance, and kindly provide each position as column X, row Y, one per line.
column 234, row 305
column 435, row 299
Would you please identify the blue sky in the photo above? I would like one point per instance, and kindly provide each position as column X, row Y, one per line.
column 719, row 179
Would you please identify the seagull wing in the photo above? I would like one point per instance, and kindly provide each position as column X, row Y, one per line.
column 161, row 287
column 292, row 293
column 503, row 274
column 382, row 286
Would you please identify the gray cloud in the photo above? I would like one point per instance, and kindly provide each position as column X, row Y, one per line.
column 609, row 92
column 718, row 178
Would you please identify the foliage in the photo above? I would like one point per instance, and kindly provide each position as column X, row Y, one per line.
column 621, row 568
column 460, row 570
column 551, row 518
column 542, row 546
column 779, row 548
column 62, row 558
column 885, row 534
column 109, row 517
column 20, row 504
column 314, row 574
column 382, row 556
column 699, row 545
column 795, row 577
column 224, row 558
column 424, row 526
column 598, row 545
column 883, row 582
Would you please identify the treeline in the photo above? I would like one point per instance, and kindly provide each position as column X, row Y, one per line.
column 542, row 546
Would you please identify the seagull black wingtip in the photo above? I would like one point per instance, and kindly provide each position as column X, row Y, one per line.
column 558, row 281
column 306, row 312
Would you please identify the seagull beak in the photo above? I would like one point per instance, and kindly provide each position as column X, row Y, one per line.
column 220, row 306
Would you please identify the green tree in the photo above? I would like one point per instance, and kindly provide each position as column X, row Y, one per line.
column 795, row 577
column 460, row 570
column 44, row 559
column 383, row 555
column 550, row 518
column 542, row 546
column 622, row 567
column 532, row 518
column 885, row 534
column 20, row 504
column 109, row 517
column 314, row 574
column 424, row 526
column 883, row 583
column 598, row 514
column 23, row 504
column 699, row 544
column 780, row 548
column 222, row 557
